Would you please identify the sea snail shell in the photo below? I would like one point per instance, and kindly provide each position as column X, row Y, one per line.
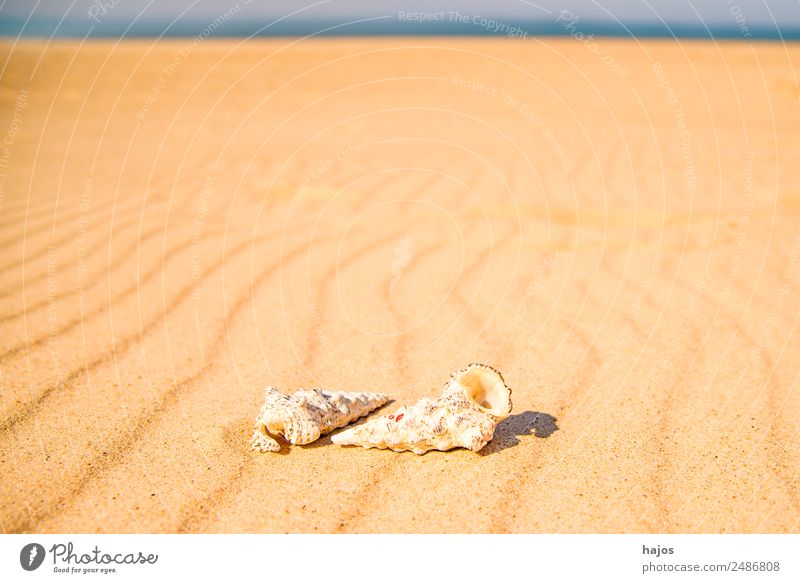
column 475, row 399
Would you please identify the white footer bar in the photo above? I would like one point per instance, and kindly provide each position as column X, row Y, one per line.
column 380, row 558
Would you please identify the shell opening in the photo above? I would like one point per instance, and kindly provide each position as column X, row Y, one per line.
column 485, row 387
column 280, row 427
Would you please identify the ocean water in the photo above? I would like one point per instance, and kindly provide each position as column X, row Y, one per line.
column 106, row 27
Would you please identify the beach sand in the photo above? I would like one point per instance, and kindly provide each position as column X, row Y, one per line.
column 615, row 225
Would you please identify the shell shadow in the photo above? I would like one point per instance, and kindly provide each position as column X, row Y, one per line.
column 542, row 425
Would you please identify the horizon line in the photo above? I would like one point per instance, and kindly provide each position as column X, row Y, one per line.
column 154, row 28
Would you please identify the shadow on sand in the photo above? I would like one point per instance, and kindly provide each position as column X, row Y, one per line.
column 541, row 425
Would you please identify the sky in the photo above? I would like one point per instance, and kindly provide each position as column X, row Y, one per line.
column 763, row 17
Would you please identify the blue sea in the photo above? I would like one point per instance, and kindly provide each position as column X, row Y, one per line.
column 110, row 28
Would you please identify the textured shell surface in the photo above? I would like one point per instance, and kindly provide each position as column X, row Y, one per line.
column 475, row 399
column 306, row 415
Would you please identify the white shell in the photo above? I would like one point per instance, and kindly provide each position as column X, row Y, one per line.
column 474, row 401
column 306, row 415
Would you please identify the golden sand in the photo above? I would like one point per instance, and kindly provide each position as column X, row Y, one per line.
column 183, row 224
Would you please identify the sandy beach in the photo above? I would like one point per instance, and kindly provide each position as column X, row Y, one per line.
column 614, row 225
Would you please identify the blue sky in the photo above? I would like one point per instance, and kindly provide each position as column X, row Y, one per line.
column 719, row 14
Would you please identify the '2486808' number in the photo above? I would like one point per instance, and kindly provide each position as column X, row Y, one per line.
column 756, row 566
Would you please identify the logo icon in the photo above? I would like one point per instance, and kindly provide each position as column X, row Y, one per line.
column 31, row 556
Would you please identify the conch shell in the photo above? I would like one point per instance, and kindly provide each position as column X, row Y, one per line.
column 306, row 415
column 474, row 401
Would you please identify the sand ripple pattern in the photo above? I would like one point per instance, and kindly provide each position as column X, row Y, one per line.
column 368, row 215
